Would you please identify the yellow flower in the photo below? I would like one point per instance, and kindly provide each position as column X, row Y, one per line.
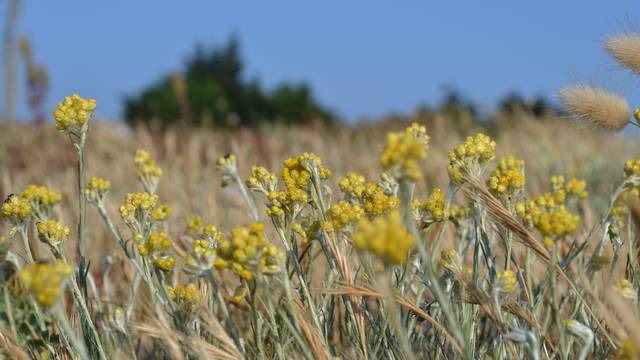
column 96, row 189
column 228, row 168
column 403, row 152
column 194, row 223
column 73, row 113
column 626, row 290
column 185, row 296
column 261, row 180
column 137, row 205
column 434, row 208
column 41, row 195
column 248, row 253
column 45, row 281
column 385, row 237
column 52, row 232
column 149, row 172
column 505, row 280
column 16, row 209
column 353, row 184
column 162, row 212
column 449, row 258
column 508, row 177
column 470, row 157
column 302, row 234
column 201, row 257
column 343, row 214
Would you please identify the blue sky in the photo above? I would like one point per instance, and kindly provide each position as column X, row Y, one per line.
column 362, row 58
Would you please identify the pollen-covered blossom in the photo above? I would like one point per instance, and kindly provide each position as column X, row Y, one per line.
column 248, row 253
column 16, row 209
column 72, row 114
column 404, row 151
column 149, row 172
column 507, row 178
column 52, row 232
column 385, row 237
column 96, row 189
column 45, row 281
column 470, row 157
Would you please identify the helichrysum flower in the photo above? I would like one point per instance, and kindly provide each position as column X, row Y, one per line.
column 194, row 223
column 157, row 248
column 344, row 214
column 45, row 281
column 369, row 196
column 385, row 237
column 96, row 189
column 470, row 157
column 248, row 253
column 149, row 172
column 505, row 281
column 403, row 152
column 41, row 196
column 161, row 213
column 449, row 259
column 16, row 209
column 507, row 178
column 228, row 168
column 137, row 206
column 261, row 180
column 433, row 209
column 187, row 297
column 200, row 258
column 72, row 114
column 52, row 232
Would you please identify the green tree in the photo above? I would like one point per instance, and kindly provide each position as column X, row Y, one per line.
column 213, row 88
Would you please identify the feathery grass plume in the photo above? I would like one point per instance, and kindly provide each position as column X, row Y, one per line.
column 625, row 49
column 595, row 106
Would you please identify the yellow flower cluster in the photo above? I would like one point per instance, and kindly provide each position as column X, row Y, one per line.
column 248, row 253
column 626, row 290
column 403, row 152
column 470, row 156
column 573, row 188
column 157, row 247
column 137, row 205
column 434, row 208
column 73, row 111
column 228, row 169
column 458, row 213
column 385, row 237
column 161, row 213
column 185, row 296
column 508, row 177
column 370, row 196
column 344, row 214
column 52, row 232
column 16, row 209
column 261, row 180
column 506, row 280
column 302, row 234
column 632, row 168
column 554, row 223
column 148, row 171
column 96, row 188
column 45, row 281
column 41, row 195
column 200, row 258
column 194, row 223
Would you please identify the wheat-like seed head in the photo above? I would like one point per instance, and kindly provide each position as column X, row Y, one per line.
column 595, row 106
column 625, row 49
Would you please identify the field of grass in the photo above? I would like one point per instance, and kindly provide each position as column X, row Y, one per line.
column 419, row 238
